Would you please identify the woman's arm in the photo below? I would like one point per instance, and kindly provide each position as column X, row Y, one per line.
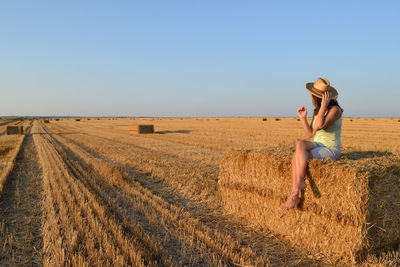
column 333, row 115
column 322, row 121
column 302, row 113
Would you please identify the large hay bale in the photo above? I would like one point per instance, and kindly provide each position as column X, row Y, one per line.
column 77, row 119
column 351, row 207
column 14, row 129
column 145, row 129
column 46, row 121
column 264, row 119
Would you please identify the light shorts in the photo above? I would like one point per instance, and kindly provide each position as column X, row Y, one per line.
column 323, row 152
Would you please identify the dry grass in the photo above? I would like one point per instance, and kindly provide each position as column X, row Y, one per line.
column 113, row 198
column 146, row 216
column 78, row 230
column 10, row 145
column 251, row 133
column 20, row 211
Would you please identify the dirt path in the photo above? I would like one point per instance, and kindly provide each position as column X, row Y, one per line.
column 20, row 211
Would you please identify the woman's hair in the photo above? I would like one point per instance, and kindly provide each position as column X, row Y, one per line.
column 317, row 104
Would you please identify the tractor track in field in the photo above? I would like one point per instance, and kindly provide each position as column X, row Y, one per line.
column 187, row 241
column 21, row 211
column 188, row 176
column 86, row 232
column 259, row 247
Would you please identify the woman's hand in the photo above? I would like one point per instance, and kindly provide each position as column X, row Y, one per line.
column 302, row 112
column 326, row 99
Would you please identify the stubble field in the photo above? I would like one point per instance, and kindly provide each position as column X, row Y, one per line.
column 95, row 193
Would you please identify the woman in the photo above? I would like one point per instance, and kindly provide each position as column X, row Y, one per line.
column 325, row 129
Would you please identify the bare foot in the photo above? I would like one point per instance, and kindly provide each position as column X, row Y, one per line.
column 291, row 203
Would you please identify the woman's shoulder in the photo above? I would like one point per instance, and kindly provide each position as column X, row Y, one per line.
column 336, row 111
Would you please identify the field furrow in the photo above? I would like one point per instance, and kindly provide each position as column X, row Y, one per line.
column 20, row 211
column 253, row 246
column 214, row 247
column 191, row 178
column 105, row 239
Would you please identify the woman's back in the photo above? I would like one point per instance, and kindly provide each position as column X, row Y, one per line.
column 331, row 135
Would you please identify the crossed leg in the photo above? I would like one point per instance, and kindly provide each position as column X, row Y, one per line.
column 299, row 166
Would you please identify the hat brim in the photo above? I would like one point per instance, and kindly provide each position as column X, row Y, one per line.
column 332, row 90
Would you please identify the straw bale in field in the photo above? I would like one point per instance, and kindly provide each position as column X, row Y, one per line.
column 14, row 129
column 46, row 121
column 57, row 119
column 264, row 119
column 277, row 119
column 77, row 119
column 144, row 129
column 351, row 207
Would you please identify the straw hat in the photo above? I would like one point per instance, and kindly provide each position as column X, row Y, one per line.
column 320, row 86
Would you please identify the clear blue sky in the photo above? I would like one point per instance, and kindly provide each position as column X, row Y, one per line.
column 196, row 58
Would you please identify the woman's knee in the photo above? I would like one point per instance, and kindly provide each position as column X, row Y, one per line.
column 301, row 145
